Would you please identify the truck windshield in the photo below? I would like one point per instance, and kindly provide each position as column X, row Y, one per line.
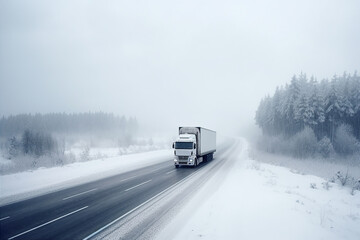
column 183, row 145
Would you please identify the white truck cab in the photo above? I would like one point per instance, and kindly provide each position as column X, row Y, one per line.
column 185, row 150
column 193, row 146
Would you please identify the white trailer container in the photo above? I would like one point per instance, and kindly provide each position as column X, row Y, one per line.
column 193, row 146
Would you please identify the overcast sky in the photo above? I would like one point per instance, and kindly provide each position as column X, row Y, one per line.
column 168, row 63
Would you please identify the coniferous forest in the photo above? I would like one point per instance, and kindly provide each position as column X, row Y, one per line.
column 309, row 117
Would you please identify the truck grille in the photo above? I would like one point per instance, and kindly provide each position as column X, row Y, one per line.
column 183, row 158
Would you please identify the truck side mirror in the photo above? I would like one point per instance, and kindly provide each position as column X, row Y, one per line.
column 194, row 145
column 173, row 146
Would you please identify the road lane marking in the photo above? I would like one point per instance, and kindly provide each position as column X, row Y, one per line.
column 44, row 224
column 4, row 218
column 157, row 169
column 171, row 171
column 139, row 206
column 137, row 185
column 127, row 178
column 80, row 194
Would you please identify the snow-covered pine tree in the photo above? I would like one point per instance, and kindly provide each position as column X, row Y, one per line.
column 14, row 147
column 293, row 96
column 333, row 108
column 316, row 106
column 355, row 101
column 301, row 109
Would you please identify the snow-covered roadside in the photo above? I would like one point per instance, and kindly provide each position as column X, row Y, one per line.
column 250, row 200
column 107, row 152
column 31, row 183
column 325, row 168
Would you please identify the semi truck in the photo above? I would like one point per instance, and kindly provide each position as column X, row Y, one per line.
column 193, row 146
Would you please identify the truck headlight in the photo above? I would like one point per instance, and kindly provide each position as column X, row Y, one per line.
column 175, row 160
column 191, row 160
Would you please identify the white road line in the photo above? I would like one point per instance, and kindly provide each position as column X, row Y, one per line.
column 4, row 218
column 127, row 178
column 44, row 224
column 79, row 194
column 170, row 171
column 137, row 185
column 156, row 169
column 139, row 206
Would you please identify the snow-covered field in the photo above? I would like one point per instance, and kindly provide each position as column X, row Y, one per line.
column 31, row 183
column 106, row 152
column 247, row 199
column 79, row 151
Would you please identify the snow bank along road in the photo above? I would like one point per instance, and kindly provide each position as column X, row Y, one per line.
column 247, row 199
column 90, row 209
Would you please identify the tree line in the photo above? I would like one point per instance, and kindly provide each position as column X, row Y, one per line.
column 97, row 123
column 330, row 109
column 44, row 134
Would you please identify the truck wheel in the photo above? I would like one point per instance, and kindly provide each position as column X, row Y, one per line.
column 196, row 162
column 176, row 166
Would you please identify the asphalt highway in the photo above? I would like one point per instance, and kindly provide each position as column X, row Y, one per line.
column 79, row 212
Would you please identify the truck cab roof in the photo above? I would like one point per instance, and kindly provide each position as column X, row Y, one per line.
column 186, row 138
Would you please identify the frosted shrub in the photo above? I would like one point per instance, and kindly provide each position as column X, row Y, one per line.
column 347, row 180
column 332, row 180
column 326, row 185
column 345, row 143
column 304, row 143
column 85, row 154
column 325, row 147
column 355, row 187
column 343, row 179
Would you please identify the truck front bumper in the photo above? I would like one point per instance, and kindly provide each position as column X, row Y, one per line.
column 190, row 161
